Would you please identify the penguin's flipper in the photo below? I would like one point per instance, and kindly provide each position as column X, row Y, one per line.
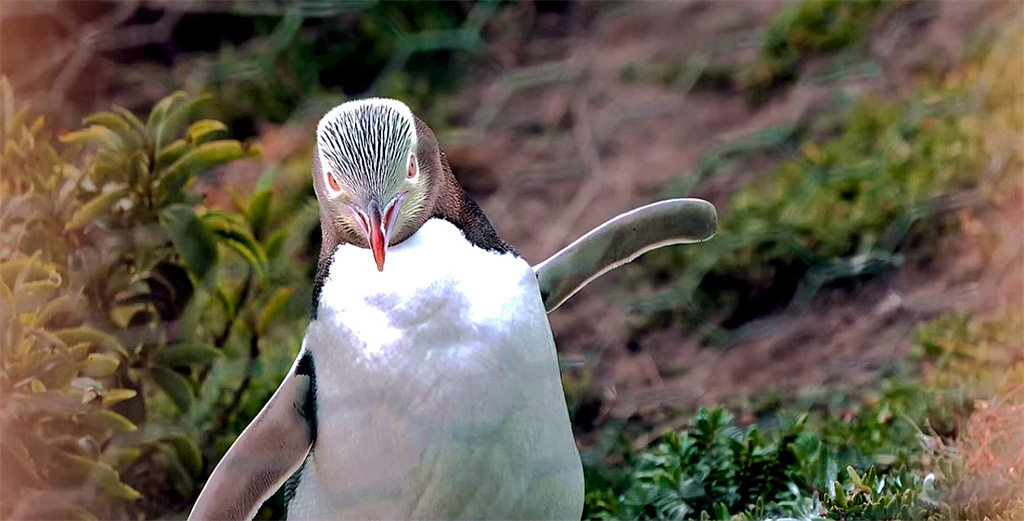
column 620, row 240
column 267, row 452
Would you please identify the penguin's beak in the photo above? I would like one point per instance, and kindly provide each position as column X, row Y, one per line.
column 377, row 225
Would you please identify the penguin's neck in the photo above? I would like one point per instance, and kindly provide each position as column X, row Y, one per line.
column 437, row 291
column 454, row 206
column 464, row 213
column 436, row 262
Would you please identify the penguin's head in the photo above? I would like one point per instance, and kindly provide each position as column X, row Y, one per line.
column 376, row 171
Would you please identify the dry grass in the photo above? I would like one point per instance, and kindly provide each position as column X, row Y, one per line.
column 988, row 468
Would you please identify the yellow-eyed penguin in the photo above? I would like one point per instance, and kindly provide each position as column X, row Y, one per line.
column 427, row 386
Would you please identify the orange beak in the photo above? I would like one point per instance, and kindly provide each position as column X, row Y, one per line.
column 378, row 236
column 377, row 226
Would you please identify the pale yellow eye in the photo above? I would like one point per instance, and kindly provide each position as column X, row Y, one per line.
column 412, row 166
column 333, row 183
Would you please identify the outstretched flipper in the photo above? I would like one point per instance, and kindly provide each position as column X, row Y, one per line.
column 267, row 452
column 620, row 240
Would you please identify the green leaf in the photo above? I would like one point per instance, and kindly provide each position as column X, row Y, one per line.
column 232, row 233
column 34, row 294
column 275, row 244
column 119, row 490
column 138, row 168
column 99, row 365
column 188, row 453
column 77, row 335
column 17, row 120
column 211, row 154
column 49, row 402
column 177, row 116
column 29, row 137
column 225, row 302
column 89, row 211
column 273, row 307
column 61, row 304
column 120, row 457
column 15, row 271
column 155, row 125
column 194, row 241
column 184, row 482
column 187, row 354
column 37, row 125
column 840, row 494
column 259, row 210
column 170, row 188
column 171, row 153
column 131, row 118
column 175, row 178
column 18, row 454
column 104, row 419
column 79, row 352
column 116, row 123
column 244, row 245
column 203, row 129
column 176, row 386
column 9, row 323
column 6, row 103
column 97, row 135
column 112, row 396
column 99, row 473
column 49, row 339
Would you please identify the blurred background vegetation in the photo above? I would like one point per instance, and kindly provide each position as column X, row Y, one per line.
column 849, row 346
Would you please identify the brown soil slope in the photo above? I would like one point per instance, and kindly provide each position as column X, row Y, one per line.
column 567, row 143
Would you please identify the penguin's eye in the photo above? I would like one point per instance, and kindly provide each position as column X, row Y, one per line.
column 333, row 183
column 413, row 167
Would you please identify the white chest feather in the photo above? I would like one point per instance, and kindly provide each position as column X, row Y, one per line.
column 437, row 387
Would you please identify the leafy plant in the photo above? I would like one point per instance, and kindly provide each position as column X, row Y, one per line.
column 855, row 204
column 120, row 292
column 983, row 361
column 843, row 208
column 718, row 470
column 715, row 469
column 59, row 392
column 897, row 495
column 408, row 50
column 800, row 30
column 942, row 444
column 983, row 465
column 974, row 356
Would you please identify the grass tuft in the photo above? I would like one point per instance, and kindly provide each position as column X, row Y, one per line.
column 865, row 200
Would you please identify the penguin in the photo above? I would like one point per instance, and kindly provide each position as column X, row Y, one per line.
column 427, row 385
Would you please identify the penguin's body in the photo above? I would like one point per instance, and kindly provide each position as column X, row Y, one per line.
column 431, row 389
column 438, row 393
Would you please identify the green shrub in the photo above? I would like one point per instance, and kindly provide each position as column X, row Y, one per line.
column 939, row 438
column 123, row 296
column 976, row 357
column 842, row 208
column 408, row 50
column 718, row 470
column 800, row 30
column 715, row 469
column 856, row 203
column 59, row 390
